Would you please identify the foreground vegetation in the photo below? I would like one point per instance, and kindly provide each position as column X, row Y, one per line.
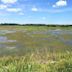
column 61, row 63
column 34, row 48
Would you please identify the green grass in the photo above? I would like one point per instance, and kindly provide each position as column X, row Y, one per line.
column 35, row 51
column 30, row 63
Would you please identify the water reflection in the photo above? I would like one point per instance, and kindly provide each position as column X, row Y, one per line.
column 29, row 38
column 56, row 32
column 2, row 32
column 54, row 35
column 5, row 39
column 59, row 31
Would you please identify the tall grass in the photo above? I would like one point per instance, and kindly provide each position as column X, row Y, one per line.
column 34, row 63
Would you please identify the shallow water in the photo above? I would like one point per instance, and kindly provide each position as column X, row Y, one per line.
column 4, row 39
column 22, row 40
column 2, row 32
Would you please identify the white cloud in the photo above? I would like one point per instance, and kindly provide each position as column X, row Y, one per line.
column 60, row 3
column 34, row 9
column 13, row 9
column 54, row 10
column 8, row 1
column 3, row 6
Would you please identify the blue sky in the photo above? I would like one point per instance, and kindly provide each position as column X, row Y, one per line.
column 36, row 11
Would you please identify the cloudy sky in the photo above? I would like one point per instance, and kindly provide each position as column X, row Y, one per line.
column 36, row 11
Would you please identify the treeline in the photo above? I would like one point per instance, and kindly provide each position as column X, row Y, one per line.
column 6, row 24
column 49, row 25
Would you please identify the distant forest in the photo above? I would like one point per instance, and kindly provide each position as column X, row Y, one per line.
column 49, row 25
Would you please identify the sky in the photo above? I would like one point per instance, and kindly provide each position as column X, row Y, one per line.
column 36, row 11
